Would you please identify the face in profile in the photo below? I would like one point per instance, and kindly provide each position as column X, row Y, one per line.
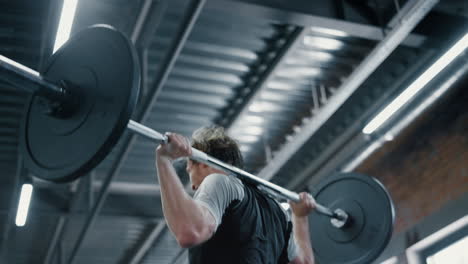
column 194, row 170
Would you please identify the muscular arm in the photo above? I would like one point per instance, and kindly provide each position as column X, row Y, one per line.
column 301, row 234
column 190, row 222
column 300, row 220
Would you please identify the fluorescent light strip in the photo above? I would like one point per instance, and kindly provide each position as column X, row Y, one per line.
column 66, row 22
column 417, row 85
column 23, row 206
column 323, row 43
column 329, row 31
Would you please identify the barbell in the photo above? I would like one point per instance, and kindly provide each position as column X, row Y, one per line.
column 82, row 101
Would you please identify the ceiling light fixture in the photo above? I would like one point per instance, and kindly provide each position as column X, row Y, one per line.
column 417, row 85
column 329, row 31
column 323, row 43
column 65, row 24
column 23, row 205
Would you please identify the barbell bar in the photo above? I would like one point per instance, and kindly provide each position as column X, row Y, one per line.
column 51, row 91
column 17, row 73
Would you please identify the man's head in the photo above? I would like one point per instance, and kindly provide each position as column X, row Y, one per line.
column 213, row 141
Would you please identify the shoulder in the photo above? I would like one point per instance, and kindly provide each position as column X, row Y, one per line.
column 216, row 178
column 220, row 185
column 221, row 181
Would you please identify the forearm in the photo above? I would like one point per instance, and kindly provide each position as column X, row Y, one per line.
column 302, row 236
column 183, row 215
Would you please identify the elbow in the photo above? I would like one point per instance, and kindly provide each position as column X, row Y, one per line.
column 304, row 260
column 191, row 235
column 185, row 244
column 308, row 261
column 188, row 239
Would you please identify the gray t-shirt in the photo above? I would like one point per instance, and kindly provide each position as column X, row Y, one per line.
column 217, row 191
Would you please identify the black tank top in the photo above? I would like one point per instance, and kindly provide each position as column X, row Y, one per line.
column 254, row 230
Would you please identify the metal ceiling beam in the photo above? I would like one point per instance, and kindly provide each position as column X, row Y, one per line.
column 141, row 20
column 90, row 182
column 117, row 187
column 148, row 242
column 181, row 257
column 148, row 20
column 63, row 220
column 305, row 15
column 294, row 40
column 150, row 16
column 328, row 161
column 332, row 9
column 411, row 17
column 58, row 214
column 61, row 253
column 186, row 260
column 55, row 239
column 187, row 24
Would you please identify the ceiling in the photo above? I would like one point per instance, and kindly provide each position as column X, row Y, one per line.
column 294, row 83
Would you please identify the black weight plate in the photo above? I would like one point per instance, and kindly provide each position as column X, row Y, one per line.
column 371, row 213
column 100, row 66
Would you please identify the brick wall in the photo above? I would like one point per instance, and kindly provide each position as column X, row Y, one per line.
column 426, row 166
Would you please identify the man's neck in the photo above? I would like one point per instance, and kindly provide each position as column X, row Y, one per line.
column 215, row 171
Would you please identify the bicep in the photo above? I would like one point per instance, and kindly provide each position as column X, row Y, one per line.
column 209, row 223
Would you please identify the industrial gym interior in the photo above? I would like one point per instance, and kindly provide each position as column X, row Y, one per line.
column 307, row 88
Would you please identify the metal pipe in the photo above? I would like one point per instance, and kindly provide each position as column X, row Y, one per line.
column 149, row 241
column 181, row 257
column 62, row 223
column 141, row 20
column 55, row 239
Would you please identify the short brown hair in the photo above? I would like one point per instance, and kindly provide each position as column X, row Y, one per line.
column 214, row 141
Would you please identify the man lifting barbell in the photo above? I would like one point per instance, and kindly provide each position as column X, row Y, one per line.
column 78, row 102
column 228, row 220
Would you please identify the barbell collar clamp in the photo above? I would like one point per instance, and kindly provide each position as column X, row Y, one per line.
column 341, row 218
